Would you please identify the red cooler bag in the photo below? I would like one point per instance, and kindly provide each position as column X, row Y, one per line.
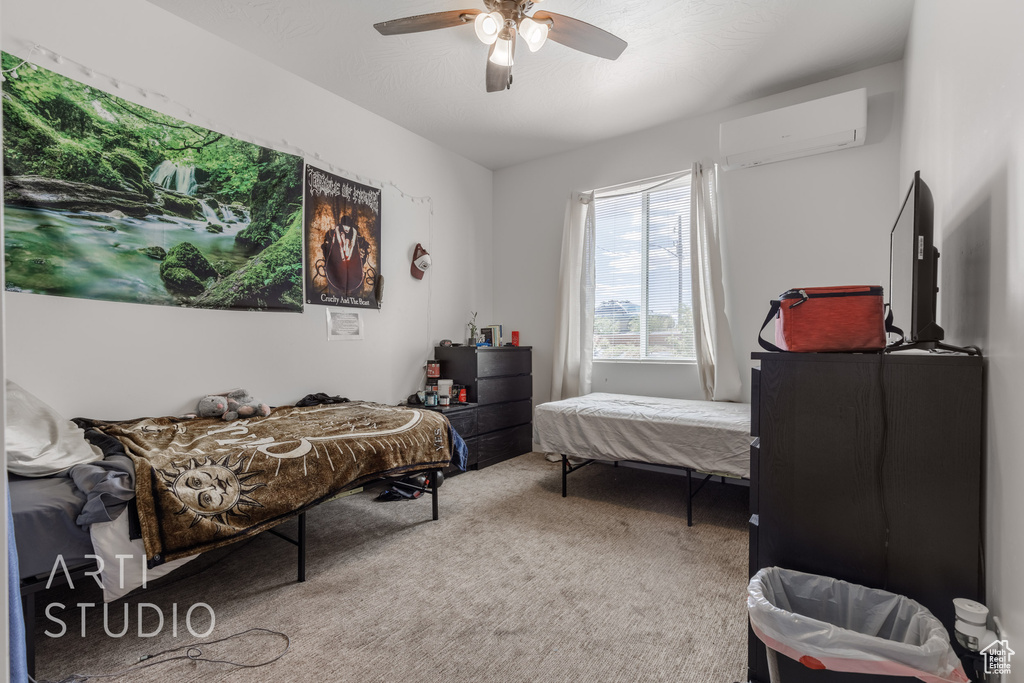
column 816, row 319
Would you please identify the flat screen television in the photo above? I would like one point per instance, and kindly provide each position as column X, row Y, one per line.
column 914, row 270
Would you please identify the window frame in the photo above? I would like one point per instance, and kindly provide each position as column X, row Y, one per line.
column 644, row 188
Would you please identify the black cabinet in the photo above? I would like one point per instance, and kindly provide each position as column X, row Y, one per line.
column 499, row 387
column 463, row 420
column 868, row 468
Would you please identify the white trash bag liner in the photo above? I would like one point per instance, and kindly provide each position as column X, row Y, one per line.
column 825, row 623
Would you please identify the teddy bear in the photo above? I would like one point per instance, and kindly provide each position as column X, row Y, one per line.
column 231, row 406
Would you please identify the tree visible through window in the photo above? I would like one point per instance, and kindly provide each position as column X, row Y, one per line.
column 643, row 308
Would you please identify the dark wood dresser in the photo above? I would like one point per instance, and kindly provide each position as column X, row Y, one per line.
column 868, row 468
column 498, row 423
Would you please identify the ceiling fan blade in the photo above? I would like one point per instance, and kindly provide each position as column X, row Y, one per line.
column 497, row 76
column 579, row 35
column 426, row 22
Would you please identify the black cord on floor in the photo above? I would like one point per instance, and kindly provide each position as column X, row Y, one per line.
column 192, row 652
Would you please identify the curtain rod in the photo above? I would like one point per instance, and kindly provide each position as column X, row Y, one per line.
column 633, row 187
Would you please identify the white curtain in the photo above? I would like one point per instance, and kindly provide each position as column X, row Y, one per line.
column 716, row 362
column 574, row 336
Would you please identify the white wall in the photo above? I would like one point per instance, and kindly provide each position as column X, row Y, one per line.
column 964, row 130
column 821, row 220
column 114, row 360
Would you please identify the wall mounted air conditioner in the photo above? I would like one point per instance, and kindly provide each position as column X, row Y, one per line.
column 823, row 125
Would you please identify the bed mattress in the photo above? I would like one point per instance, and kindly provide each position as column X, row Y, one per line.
column 707, row 436
column 45, row 510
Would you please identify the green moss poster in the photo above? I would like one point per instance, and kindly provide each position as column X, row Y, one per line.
column 106, row 199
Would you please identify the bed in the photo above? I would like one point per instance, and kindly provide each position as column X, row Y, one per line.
column 162, row 490
column 705, row 437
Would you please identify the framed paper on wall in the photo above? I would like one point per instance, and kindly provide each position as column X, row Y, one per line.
column 344, row 325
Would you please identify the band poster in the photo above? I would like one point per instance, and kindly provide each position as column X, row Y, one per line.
column 342, row 224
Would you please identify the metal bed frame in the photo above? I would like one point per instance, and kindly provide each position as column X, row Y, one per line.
column 35, row 585
column 300, row 541
column 568, row 468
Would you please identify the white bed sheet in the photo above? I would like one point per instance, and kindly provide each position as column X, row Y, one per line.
column 709, row 436
column 122, row 560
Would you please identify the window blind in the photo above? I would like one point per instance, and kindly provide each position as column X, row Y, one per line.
column 643, row 309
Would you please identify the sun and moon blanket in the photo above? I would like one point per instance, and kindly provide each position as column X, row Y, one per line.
column 205, row 483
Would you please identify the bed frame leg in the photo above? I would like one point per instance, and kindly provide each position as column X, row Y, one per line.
column 689, row 497
column 565, row 472
column 433, row 492
column 302, row 547
column 28, row 608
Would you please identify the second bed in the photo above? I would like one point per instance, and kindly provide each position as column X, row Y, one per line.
column 707, row 437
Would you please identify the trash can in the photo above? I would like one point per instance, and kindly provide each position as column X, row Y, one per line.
column 825, row 623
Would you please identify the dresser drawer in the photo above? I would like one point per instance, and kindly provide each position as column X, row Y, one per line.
column 498, row 389
column 471, row 459
column 502, row 445
column 492, row 417
column 464, row 422
column 505, row 361
column 474, row 453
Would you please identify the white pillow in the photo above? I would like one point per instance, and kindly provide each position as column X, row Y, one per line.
column 39, row 441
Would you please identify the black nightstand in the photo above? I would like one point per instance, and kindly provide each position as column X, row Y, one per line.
column 463, row 419
column 498, row 424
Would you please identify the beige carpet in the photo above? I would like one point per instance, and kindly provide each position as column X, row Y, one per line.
column 513, row 583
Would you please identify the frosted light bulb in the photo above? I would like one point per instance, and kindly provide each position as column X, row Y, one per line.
column 535, row 33
column 488, row 26
column 504, row 47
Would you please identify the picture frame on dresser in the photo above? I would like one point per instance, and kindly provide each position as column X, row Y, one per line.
column 486, row 337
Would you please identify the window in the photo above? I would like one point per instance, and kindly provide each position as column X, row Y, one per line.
column 642, row 304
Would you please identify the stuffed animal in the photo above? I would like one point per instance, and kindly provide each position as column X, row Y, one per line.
column 211, row 406
column 230, row 406
column 242, row 404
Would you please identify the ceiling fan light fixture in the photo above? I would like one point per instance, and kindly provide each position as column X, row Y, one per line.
column 535, row 33
column 504, row 48
column 503, row 23
column 488, row 26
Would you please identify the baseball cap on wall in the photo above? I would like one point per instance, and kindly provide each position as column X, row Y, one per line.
column 420, row 261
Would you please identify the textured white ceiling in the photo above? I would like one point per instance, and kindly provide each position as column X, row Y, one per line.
column 685, row 57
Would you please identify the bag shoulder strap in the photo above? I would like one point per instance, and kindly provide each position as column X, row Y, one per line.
column 768, row 346
column 889, row 327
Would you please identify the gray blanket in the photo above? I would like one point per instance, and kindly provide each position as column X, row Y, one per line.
column 108, row 485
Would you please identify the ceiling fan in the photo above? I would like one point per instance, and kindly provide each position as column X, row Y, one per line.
column 499, row 26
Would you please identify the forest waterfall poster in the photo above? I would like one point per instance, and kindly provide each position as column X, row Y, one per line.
column 106, row 199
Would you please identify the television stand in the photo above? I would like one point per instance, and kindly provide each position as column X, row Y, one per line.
column 876, row 464
column 935, row 346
